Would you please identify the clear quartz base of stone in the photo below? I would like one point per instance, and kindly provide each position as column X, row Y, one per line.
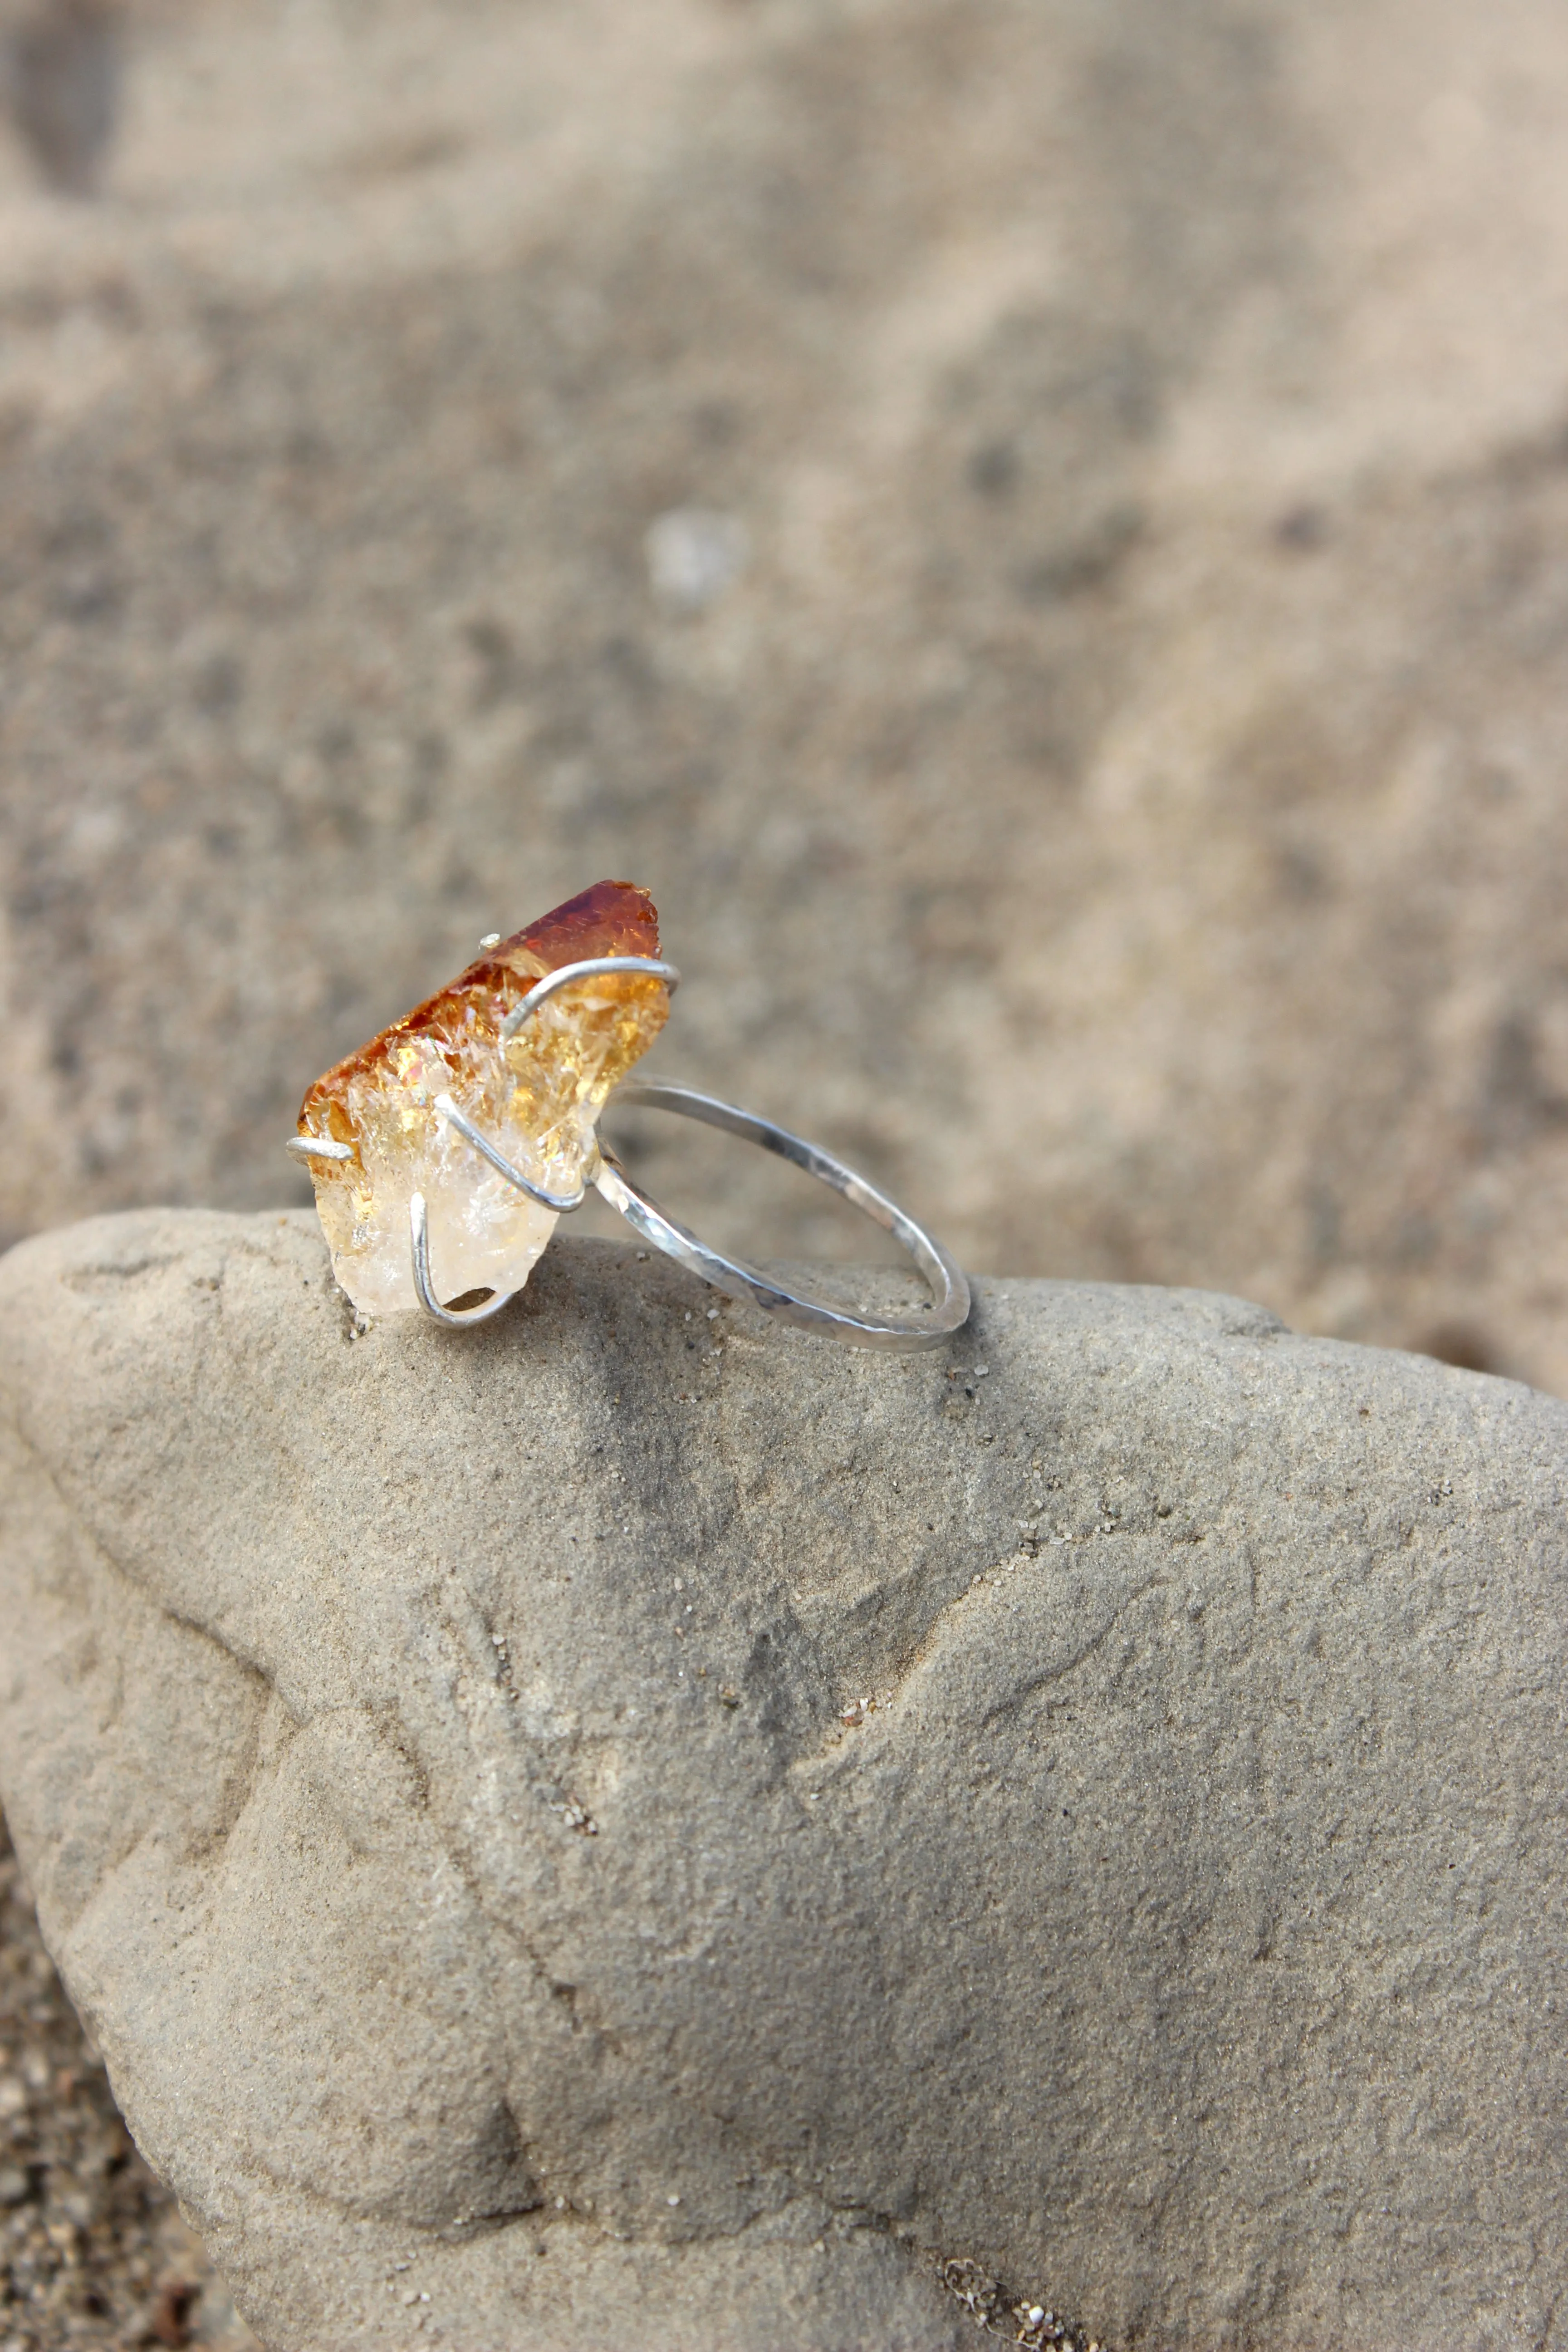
column 479, row 1240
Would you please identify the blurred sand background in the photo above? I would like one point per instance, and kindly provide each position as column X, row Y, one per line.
column 1039, row 532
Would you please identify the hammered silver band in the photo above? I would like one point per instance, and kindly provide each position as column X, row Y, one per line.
column 947, row 1309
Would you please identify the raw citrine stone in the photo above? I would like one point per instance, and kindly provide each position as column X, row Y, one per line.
column 537, row 1098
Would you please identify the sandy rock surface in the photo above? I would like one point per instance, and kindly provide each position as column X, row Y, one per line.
column 1036, row 528
column 94, row 2257
column 624, row 1825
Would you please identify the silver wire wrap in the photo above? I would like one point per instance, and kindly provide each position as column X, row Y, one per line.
column 314, row 1147
column 419, row 1246
column 562, row 1203
column 588, row 970
column 899, row 1334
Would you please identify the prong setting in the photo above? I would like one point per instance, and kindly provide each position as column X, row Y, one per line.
column 312, row 1147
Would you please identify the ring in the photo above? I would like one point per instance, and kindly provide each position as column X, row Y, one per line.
column 533, row 1041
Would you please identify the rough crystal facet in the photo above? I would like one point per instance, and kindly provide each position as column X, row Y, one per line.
column 537, row 1098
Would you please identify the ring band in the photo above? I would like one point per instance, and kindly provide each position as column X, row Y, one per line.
column 946, row 1280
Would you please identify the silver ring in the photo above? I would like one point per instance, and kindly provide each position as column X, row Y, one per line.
column 949, row 1305
column 944, row 1277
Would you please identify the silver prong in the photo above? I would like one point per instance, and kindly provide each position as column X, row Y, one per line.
column 309, row 1147
column 419, row 1250
column 562, row 1203
column 588, row 970
column 490, row 940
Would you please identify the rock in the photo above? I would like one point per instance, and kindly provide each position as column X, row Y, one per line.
column 94, row 2254
column 59, row 78
column 636, row 1826
column 1120, row 796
